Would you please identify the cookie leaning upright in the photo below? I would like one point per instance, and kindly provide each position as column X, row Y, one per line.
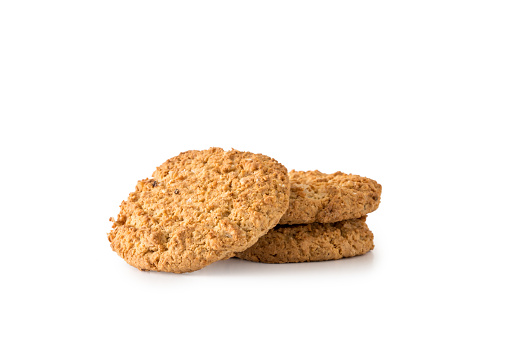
column 327, row 198
column 200, row 207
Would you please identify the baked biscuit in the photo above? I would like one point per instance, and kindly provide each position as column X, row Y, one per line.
column 312, row 242
column 200, row 207
column 326, row 198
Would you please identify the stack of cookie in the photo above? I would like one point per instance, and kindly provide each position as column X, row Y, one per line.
column 326, row 220
column 203, row 206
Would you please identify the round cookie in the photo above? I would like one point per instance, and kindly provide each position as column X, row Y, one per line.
column 326, row 198
column 200, row 207
column 311, row 242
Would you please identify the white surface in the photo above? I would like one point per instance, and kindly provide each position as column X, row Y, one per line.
column 94, row 95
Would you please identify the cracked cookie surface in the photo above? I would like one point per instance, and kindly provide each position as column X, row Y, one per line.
column 311, row 242
column 200, row 207
column 326, row 198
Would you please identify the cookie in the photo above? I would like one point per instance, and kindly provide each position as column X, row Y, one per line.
column 312, row 242
column 327, row 198
column 200, row 207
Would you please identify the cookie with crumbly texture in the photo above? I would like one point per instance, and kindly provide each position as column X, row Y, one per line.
column 200, row 207
column 312, row 242
column 326, row 198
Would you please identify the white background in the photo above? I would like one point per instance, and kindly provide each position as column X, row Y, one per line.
column 414, row 94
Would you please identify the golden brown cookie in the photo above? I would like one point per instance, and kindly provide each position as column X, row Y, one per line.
column 311, row 242
column 200, row 207
column 326, row 198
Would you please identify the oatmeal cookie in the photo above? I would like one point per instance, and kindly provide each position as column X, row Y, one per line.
column 312, row 242
column 200, row 207
column 326, row 198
